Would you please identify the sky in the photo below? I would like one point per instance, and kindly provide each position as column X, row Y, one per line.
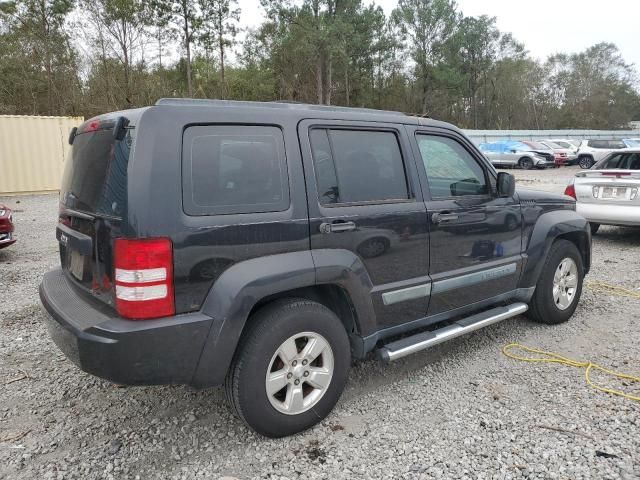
column 544, row 26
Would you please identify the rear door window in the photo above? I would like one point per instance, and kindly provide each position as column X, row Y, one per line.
column 356, row 166
column 231, row 169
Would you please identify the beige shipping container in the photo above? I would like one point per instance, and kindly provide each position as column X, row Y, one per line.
column 32, row 152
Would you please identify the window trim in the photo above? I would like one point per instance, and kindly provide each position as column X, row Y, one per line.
column 190, row 208
column 411, row 194
column 481, row 163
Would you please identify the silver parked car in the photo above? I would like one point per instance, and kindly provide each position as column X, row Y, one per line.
column 608, row 193
column 515, row 154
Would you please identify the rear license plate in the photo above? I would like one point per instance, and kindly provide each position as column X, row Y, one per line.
column 76, row 265
column 614, row 192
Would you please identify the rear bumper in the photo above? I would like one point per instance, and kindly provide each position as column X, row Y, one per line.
column 144, row 352
column 610, row 214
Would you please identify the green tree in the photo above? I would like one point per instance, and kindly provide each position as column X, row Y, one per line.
column 427, row 25
column 38, row 66
column 219, row 29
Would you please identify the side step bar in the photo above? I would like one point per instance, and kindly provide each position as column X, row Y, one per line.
column 421, row 341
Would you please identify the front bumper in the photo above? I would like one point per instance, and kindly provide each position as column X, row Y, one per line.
column 141, row 352
column 6, row 239
column 628, row 215
column 545, row 164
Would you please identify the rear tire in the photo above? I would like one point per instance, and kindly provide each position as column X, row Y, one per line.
column 525, row 163
column 594, row 227
column 557, row 294
column 585, row 162
column 275, row 384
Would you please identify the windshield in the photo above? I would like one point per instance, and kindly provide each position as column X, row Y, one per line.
column 553, row 146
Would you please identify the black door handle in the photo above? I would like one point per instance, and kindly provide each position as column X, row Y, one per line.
column 443, row 217
column 337, row 227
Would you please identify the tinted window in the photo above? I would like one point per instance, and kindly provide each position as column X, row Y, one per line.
column 95, row 173
column 357, row 166
column 598, row 144
column 451, row 170
column 616, row 144
column 624, row 161
column 234, row 169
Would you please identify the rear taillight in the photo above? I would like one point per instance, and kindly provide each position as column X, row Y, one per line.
column 570, row 191
column 143, row 278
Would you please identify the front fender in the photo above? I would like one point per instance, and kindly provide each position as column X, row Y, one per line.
column 236, row 292
column 548, row 227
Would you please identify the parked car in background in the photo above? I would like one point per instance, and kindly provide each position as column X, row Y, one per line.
column 571, row 144
column 563, row 156
column 6, row 227
column 632, row 142
column 515, row 154
column 608, row 193
column 592, row 151
column 542, row 149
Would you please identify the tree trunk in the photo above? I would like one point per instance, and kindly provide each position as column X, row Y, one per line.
column 346, row 85
column 221, row 46
column 187, row 44
column 329, row 80
column 319, row 82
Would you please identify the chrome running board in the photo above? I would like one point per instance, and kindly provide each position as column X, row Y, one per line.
column 421, row 341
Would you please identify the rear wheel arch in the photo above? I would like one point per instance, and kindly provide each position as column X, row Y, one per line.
column 332, row 296
column 341, row 284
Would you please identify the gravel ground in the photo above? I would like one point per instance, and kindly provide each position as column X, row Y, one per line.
column 461, row 410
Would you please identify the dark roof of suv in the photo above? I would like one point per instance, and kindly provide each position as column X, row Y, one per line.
column 308, row 110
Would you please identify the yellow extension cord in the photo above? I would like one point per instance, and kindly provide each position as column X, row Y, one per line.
column 550, row 357
column 598, row 286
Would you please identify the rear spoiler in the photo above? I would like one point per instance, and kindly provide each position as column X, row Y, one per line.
column 631, row 174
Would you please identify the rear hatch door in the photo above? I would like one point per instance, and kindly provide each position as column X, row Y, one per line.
column 93, row 200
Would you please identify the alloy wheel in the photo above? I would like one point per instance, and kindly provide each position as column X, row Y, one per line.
column 299, row 373
column 565, row 283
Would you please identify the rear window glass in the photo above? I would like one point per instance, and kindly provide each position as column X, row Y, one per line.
column 624, row 161
column 354, row 166
column 95, row 174
column 234, row 169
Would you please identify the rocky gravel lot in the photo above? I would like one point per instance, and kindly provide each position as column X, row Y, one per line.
column 462, row 410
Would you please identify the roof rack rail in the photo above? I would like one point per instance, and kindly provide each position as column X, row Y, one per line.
column 269, row 104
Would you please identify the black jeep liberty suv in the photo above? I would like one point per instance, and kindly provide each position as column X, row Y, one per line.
column 265, row 245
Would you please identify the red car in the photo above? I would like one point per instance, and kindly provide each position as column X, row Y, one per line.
column 6, row 227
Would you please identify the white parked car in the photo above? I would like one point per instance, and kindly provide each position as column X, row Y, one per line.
column 608, row 193
column 592, row 151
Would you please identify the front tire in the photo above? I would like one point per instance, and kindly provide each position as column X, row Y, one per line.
column 560, row 285
column 585, row 162
column 525, row 163
column 290, row 367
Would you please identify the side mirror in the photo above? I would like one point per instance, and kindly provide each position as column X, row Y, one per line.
column 506, row 184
